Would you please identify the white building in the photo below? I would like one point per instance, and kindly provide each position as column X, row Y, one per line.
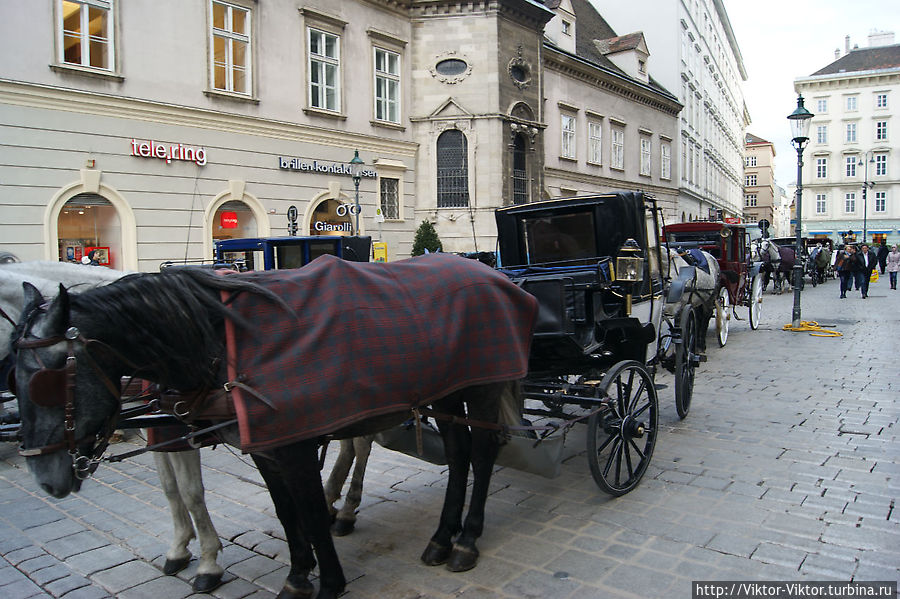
column 851, row 172
column 697, row 58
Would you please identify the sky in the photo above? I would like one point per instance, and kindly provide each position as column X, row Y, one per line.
column 781, row 40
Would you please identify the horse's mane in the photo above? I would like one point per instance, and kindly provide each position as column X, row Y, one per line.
column 168, row 323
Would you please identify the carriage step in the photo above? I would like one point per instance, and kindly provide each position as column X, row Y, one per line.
column 661, row 386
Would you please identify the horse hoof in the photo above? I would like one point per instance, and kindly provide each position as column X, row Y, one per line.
column 206, row 583
column 343, row 528
column 302, row 589
column 462, row 559
column 174, row 566
column 435, row 554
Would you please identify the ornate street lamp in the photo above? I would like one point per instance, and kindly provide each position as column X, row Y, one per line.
column 356, row 166
column 800, row 121
column 865, row 188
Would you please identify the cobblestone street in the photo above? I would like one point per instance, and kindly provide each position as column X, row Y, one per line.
column 787, row 468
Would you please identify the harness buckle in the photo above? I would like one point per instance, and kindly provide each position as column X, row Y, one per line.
column 72, row 333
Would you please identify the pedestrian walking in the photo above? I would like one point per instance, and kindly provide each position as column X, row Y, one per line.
column 865, row 263
column 882, row 255
column 843, row 263
column 893, row 265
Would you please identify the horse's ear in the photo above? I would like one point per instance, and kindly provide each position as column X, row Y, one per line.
column 33, row 297
column 57, row 313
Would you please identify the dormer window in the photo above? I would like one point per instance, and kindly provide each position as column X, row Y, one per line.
column 566, row 28
column 642, row 67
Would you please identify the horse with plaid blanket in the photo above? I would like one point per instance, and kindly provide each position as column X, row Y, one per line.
column 169, row 328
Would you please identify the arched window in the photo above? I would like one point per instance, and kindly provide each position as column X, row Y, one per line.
column 519, row 171
column 89, row 221
column 452, row 170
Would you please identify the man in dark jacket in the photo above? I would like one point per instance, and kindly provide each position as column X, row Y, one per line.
column 865, row 264
column 883, row 252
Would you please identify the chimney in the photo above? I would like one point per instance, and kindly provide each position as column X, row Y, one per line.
column 837, row 53
column 847, row 45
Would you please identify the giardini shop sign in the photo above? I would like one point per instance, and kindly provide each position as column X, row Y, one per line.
column 335, row 168
column 155, row 149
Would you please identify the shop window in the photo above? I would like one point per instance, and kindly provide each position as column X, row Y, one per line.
column 234, row 220
column 331, row 217
column 86, row 222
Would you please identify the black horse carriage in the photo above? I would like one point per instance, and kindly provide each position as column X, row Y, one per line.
column 595, row 265
column 742, row 284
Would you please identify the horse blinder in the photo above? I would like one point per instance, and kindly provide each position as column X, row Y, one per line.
column 47, row 387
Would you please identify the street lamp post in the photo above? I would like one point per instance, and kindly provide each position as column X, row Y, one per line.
column 356, row 172
column 865, row 188
column 800, row 122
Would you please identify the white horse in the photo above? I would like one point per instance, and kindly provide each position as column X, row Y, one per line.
column 179, row 472
column 702, row 292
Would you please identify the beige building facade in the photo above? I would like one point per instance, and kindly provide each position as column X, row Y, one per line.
column 759, row 180
column 150, row 145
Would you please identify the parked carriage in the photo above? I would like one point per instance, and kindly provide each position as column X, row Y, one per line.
column 742, row 284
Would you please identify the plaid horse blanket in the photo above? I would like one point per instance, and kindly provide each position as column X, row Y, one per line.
column 368, row 339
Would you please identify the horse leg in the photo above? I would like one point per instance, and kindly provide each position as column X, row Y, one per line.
column 297, row 584
column 178, row 556
column 345, row 521
column 293, row 477
column 485, row 444
column 457, row 447
column 188, row 475
column 338, row 477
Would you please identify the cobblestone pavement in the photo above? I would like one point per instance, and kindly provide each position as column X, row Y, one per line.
column 787, row 468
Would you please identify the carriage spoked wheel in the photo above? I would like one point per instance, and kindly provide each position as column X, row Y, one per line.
column 621, row 439
column 723, row 316
column 756, row 297
column 686, row 361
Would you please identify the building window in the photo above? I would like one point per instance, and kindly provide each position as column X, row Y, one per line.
column 324, row 70
column 390, row 198
column 821, row 168
column 520, row 170
column 880, row 164
column 850, row 202
column 881, row 131
column 617, row 149
column 750, row 200
column 387, row 86
column 595, row 143
column 568, row 136
column 822, row 134
column 750, row 180
column 881, row 101
column 665, row 160
column 452, row 170
column 750, row 161
column 851, row 103
column 851, row 166
column 645, row 156
column 851, row 133
column 820, row 203
column 822, row 106
column 230, row 48
column 566, row 28
column 880, row 201
column 86, row 33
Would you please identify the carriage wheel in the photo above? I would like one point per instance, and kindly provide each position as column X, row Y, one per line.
column 756, row 297
column 686, row 360
column 621, row 439
column 723, row 316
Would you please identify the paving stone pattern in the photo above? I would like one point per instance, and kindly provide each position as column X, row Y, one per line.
column 787, row 468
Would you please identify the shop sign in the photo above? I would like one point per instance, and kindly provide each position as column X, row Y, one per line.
column 325, row 227
column 334, row 168
column 155, row 149
column 228, row 220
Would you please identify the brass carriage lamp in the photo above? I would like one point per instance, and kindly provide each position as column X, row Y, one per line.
column 629, row 269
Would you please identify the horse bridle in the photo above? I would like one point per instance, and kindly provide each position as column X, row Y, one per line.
column 44, row 389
